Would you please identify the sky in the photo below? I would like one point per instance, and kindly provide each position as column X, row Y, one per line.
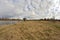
column 33, row 9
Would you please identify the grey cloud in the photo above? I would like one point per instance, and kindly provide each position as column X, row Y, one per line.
column 28, row 8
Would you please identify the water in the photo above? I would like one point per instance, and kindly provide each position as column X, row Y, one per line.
column 7, row 22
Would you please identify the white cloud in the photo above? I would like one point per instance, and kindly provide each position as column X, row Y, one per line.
column 28, row 8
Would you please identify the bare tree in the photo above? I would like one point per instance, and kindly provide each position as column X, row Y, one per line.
column 53, row 15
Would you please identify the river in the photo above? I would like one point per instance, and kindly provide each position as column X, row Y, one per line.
column 7, row 22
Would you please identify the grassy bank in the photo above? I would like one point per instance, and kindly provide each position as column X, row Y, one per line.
column 31, row 30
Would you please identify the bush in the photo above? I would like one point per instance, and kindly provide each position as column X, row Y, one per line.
column 24, row 19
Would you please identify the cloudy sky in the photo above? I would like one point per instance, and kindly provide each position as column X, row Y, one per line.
column 29, row 9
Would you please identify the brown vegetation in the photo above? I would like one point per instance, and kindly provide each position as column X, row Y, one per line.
column 31, row 30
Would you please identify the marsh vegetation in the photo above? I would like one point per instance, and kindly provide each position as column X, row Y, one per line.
column 31, row 30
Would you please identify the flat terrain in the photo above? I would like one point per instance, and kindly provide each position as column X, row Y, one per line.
column 31, row 30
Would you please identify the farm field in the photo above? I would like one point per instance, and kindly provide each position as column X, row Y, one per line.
column 31, row 30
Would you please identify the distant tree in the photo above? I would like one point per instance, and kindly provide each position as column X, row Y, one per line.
column 24, row 19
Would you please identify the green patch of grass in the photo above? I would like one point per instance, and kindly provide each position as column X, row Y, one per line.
column 57, row 26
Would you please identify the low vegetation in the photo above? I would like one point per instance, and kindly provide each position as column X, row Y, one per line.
column 31, row 30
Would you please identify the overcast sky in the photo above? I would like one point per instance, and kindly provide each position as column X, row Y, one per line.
column 30, row 9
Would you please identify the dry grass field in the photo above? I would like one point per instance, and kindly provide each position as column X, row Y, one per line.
column 31, row 30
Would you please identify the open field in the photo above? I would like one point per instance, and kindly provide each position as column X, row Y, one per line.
column 31, row 30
